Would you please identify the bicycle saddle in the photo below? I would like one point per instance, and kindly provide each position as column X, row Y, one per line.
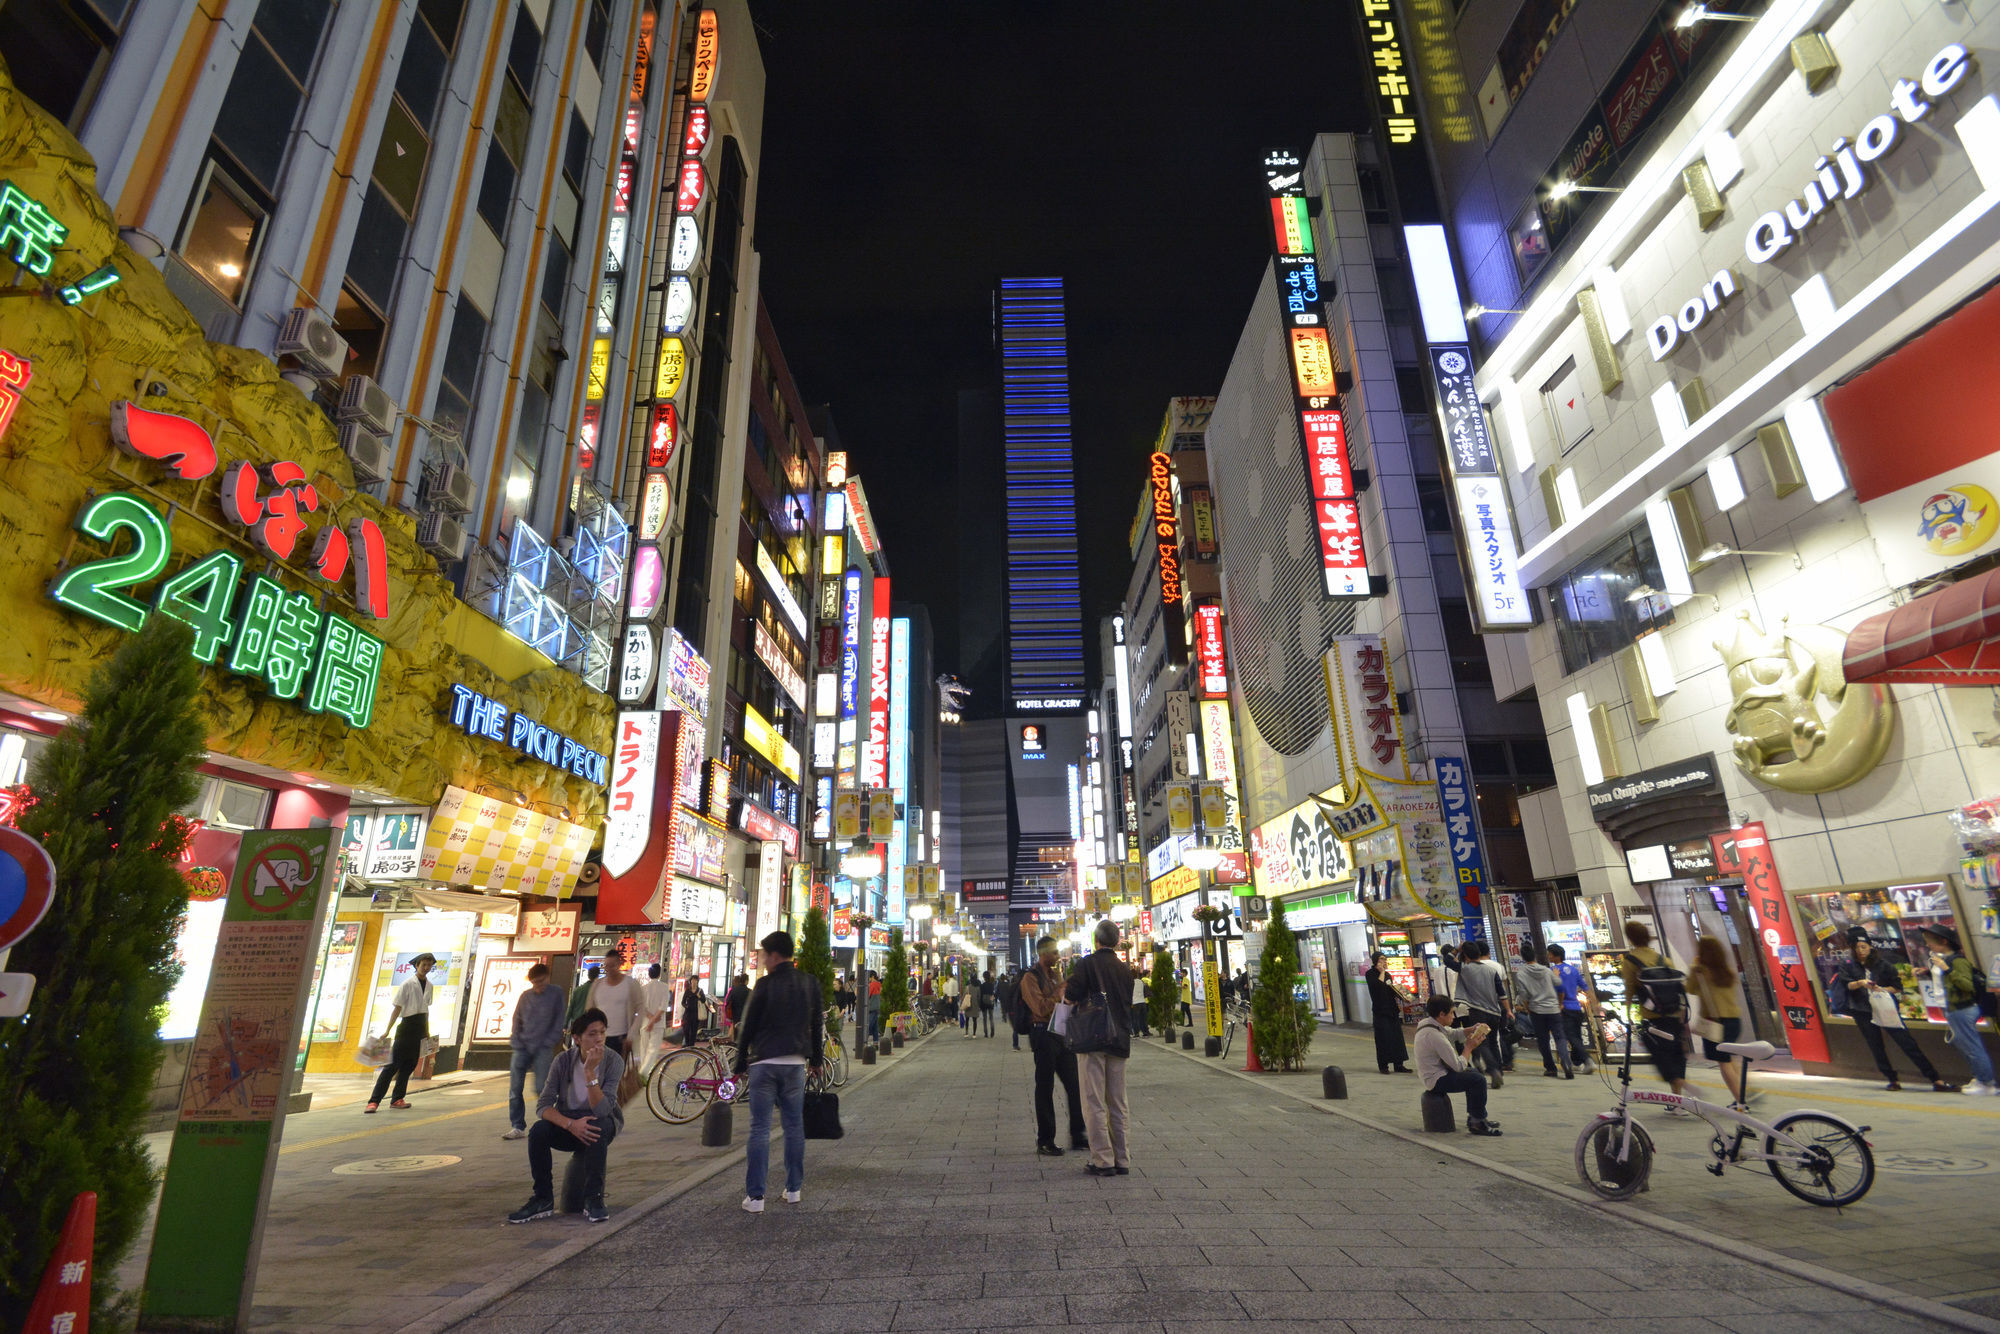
column 1749, row 1051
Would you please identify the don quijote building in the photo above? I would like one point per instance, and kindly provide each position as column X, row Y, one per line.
column 1727, row 274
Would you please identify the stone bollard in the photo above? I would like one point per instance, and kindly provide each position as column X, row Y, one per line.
column 1438, row 1117
column 717, row 1123
column 896, row 1038
column 571, row 1201
column 1211, row 1046
column 1333, row 1083
column 868, row 1054
column 1187, row 1039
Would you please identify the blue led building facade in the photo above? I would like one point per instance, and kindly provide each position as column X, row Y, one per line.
column 1044, row 600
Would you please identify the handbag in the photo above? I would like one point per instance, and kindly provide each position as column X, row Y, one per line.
column 1093, row 1026
column 1883, row 1010
column 821, row 1116
column 629, row 1082
column 1059, row 1020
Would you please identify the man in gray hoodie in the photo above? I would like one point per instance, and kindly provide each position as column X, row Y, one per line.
column 536, row 1038
column 1539, row 993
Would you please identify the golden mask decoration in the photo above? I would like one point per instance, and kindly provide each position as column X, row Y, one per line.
column 1794, row 721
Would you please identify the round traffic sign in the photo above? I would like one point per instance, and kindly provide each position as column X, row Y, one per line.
column 27, row 884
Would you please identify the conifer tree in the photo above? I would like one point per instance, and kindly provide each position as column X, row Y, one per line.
column 1163, row 997
column 896, row 976
column 77, row 1071
column 815, row 954
column 1283, row 1025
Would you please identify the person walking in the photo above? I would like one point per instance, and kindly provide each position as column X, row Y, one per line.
column 1544, row 1002
column 779, row 1041
column 1954, row 975
column 1385, row 1005
column 656, row 1006
column 691, row 1003
column 874, row 1006
column 617, row 994
column 1187, row 1001
column 1102, row 1072
column 1041, row 988
column 1142, row 1022
column 989, row 994
column 1661, row 991
column 1574, row 988
column 1718, row 1013
column 1444, row 1068
column 410, row 1017
column 1863, row 975
column 1483, row 988
column 536, row 1037
column 950, row 992
column 736, row 1004
column 579, row 996
column 1016, row 1013
column 578, row 1113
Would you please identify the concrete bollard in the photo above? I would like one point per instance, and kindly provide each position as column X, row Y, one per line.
column 868, row 1054
column 897, row 1038
column 1333, row 1083
column 1211, row 1046
column 1438, row 1116
column 717, row 1123
column 572, row 1185
column 1187, row 1039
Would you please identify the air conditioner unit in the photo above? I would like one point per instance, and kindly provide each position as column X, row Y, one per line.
column 449, row 489
column 442, row 535
column 367, row 405
column 370, row 455
column 310, row 337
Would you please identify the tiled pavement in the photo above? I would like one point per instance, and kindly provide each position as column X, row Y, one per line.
column 1245, row 1205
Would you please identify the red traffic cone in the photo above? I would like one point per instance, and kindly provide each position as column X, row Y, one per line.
column 62, row 1303
column 1251, row 1065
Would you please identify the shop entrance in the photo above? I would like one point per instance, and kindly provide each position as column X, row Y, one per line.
column 1686, row 910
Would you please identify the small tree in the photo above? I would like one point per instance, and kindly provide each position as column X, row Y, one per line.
column 1163, row 999
column 1282, row 1024
column 815, row 957
column 896, row 976
column 77, row 1072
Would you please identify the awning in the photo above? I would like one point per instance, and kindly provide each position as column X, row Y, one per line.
column 452, row 900
column 1942, row 638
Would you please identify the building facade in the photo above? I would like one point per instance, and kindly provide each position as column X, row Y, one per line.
column 1736, row 389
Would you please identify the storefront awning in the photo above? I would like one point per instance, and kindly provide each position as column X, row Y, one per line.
column 1942, row 638
column 452, row 900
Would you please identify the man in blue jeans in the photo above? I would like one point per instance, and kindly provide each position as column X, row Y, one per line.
column 1574, row 988
column 782, row 1035
column 536, row 1038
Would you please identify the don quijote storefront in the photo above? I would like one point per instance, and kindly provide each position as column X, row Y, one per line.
column 1772, row 576
column 147, row 472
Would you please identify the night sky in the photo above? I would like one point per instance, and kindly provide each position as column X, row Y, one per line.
column 915, row 152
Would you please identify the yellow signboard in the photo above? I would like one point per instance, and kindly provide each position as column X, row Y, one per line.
column 1211, row 988
column 600, row 371
column 494, row 845
column 766, row 741
column 673, row 368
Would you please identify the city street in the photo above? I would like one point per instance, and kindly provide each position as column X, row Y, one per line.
column 1245, row 1204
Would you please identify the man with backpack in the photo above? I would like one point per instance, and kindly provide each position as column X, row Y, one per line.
column 1661, row 990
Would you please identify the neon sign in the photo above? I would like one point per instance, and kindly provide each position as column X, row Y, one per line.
column 875, row 758
column 1208, row 651
column 662, row 436
column 28, row 231
column 707, row 54
column 15, row 372
column 479, row 715
column 1166, row 528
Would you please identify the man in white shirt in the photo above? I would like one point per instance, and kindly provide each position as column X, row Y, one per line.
column 410, row 1017
column 656, row 998
column 619, row 996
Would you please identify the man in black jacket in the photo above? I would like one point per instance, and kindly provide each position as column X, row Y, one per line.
column 781, row 1036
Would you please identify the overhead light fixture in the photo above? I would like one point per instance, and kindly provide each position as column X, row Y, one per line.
column 1694, row 14
column 1814, row 445
column 1475, row 310
column 1727, row 484
column 1586, row 740
column 1717, row 550
column 49, row 715
column 1642, row 592
column 863, row 861
column 1564, row 189
column 1201, row 857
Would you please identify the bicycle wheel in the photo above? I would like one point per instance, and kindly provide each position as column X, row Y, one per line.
column 681, row 1085
column 1228, row 1035
column 1834, row 1168
column 1599, row 1163
column 836, row 1061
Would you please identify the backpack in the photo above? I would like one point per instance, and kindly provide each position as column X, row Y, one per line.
column 1988, row 1003
column 1662, row 987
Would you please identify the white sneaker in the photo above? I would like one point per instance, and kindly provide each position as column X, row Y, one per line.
column 515, row 1134
column 792, row 1196
column 1982, row 1088
column 753, row 1204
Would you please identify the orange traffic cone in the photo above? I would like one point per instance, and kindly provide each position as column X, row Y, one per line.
column 1251, row 1065
column 62, row 1303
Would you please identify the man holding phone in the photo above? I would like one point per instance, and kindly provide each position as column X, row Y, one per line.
column 1444, row 1068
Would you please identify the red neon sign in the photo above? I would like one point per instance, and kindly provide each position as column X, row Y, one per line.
column 695, row 142
column 694, row 181
column 662, row 436
column 1208, row 651
column 1336, row 513
column 875, row 760
column 15, row 372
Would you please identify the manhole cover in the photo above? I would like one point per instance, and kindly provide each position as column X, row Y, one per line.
column 383, row 1167
column 1932, row 1164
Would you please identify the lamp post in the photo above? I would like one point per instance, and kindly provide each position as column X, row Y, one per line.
column 859, row 865
column 1202, row 859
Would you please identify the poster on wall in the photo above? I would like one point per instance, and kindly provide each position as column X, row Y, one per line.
column 494, row 845
column 502, row 979
column 335, row 986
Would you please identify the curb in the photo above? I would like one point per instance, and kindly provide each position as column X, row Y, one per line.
column 1924, row 1308
column 472, row 1303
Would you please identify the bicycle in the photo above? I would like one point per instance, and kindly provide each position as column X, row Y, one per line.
column 684, row 1081
column 1816, row 1156
column 1234, row 1013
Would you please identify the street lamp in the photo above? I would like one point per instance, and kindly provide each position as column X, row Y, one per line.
column 861, row 862
column 1694, row 14
column 1203, row 856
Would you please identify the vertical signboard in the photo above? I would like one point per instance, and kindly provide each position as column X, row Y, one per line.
column 1166, row 541
column 1213, row 678
column 203, row 1267
column 875, row 753
column 641, row 825
column 1463, row 837
column 770, row 890
column 1336, row 510
column 899, row 760
column 1746, row 851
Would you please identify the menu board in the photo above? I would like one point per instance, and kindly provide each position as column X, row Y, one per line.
column 493, row 845
column 502, row 979
column 334, row 986
column 1609, row 985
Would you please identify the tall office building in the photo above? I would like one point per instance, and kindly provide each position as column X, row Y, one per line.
column 1044, row 601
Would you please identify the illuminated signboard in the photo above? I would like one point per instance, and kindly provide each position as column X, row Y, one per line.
column 781, row 592
column 773, row 656
column 766, row 741
column 765, row 827
column 707, row 53
column 1219, row 766
column 1395, row 99
column 661, row 436
column 635, row 677
column 1493, row 579
column 899, row 704
column 693, row 185
column 875, row 755
column 861, row 516
column 478, row 715
column 586, row 436
column 685, row 248
column 1299, row 850
column 600, row 370
column 1213, row 679
column 1167, row 550
column 628, row 815
column 649, row 580
column 1293, row 230
column 679, row 307
column 695, row 137
column 686, row 675
column 850, row 645
column 673, row 367
column 1336, row 512
column 653, row 508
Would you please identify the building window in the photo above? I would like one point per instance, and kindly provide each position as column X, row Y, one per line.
column 1469, row 666
column 224, row 228
column 555, row 278
column 57, row 51
column 524, row 52
column 1607, row 601
column 595, row 29
column 461, row 366
column 1431, row 500
column 226, row 805
column 362, row 328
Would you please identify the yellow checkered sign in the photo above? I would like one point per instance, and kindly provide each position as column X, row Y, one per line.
column 494, row 845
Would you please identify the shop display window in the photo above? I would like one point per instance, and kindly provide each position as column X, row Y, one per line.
column 447, row 935
column 226, row 805
column 333, row 983
column 1894, row 917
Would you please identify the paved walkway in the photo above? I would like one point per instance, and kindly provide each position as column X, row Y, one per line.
column 1245, row 1204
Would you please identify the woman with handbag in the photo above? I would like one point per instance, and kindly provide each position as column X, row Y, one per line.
column 1385, row 1004
column 1100, row 1033
column 1865, row 988
column 1720, row 1017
